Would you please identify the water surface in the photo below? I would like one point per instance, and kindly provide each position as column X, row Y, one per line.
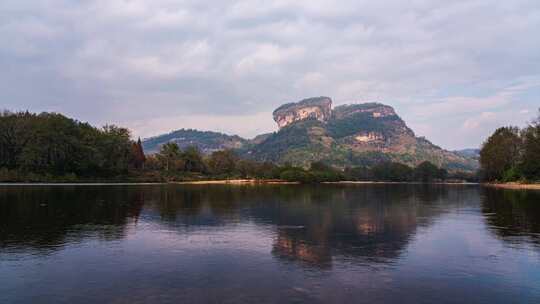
column 269, row 244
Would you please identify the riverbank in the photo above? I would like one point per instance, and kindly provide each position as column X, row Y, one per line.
column 228, row 182
column 398, row 183
column 235, row 182
column 514, row 186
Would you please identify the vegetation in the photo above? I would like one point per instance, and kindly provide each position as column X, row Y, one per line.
column 51, row 147
column 512, row 154
column 206, row 141
column 48, row 145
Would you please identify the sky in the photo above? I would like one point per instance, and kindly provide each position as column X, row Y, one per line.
column 453, row 70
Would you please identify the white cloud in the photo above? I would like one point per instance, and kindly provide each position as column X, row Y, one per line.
column 475, row 122
column 144, row 60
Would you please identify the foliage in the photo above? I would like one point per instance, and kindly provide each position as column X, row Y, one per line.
column 500, row 152
column 530, row 161
column 169, row 157
column 391, row 171
column 288, row 138
column 50, row 143
column 51, row 147
column 427, row 172
column 511, row 154
column 206, row 141
column 361, row 121
column 137, row 155
column 224, row 162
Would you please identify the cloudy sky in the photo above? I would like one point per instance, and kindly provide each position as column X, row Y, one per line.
column 454, row 70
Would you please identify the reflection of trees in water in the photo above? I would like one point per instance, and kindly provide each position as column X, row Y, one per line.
column 43, row 217
column 313, row 223
column 513, row 215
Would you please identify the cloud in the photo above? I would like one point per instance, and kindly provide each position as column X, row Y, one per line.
column 140, row 62
column 477, row 121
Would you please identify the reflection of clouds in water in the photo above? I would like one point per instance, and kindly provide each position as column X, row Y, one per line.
column 325, row 244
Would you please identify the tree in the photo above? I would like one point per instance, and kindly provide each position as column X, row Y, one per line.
column 427, row 172
column 52, row 144
column 168, row 155
column 500, row 152
column 530, row 163
column 193, row 161
column 115, row 145
column 222, row 162
column 322, row 172
column 137, row 155
column 391, row 171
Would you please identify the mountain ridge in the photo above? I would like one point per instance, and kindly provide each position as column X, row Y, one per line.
column 358, row 134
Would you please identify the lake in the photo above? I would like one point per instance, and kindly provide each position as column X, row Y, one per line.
column 269, row 244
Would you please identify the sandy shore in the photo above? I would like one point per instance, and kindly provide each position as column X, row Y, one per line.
column 236, row 182
column 515, row 186
column 397, row 183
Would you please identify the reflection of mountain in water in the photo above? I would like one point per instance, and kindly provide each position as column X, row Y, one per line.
column 373, row 223
column 513, row 216
column 312, row 225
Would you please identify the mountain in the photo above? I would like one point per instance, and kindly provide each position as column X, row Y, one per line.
column 469, row 153
column 311, row 130
column 348, row 135
column 206, row 141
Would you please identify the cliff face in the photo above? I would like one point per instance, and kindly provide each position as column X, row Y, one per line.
column 314, row 108
column 310, row 130
column 348, row 135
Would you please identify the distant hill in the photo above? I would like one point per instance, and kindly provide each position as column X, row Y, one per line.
column 311, row 130
column 470, row 153
column 206, row 141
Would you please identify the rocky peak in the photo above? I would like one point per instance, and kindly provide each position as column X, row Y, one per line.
column 319, row 108
column 377, row 110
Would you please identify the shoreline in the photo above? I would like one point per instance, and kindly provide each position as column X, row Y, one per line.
column 513, row 186
column 396, row 183
column 236, row 182
column 229, row 182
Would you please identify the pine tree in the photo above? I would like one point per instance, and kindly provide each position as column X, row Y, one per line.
column 138, row 157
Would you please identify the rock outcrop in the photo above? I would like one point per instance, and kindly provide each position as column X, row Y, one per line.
column 348, row 135
column 313, row 108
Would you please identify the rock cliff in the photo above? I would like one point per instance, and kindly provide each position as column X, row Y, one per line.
column 310, row 130
column 348, row 135
column 313, row 108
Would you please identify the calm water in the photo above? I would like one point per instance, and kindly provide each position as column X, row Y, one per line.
column 269, row 244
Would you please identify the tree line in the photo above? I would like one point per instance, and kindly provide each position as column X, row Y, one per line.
column 37, row 146
column 177, row 164
column 512, row 154
column 52, row 147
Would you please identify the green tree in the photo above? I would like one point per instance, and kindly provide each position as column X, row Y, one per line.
column 137, row 155
column 500, row 152
column 169, row 155
column 391, row 171
column 116, row 148
column 530, row 163
column 427, row 172
column 193, row 160
column 222, row 162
